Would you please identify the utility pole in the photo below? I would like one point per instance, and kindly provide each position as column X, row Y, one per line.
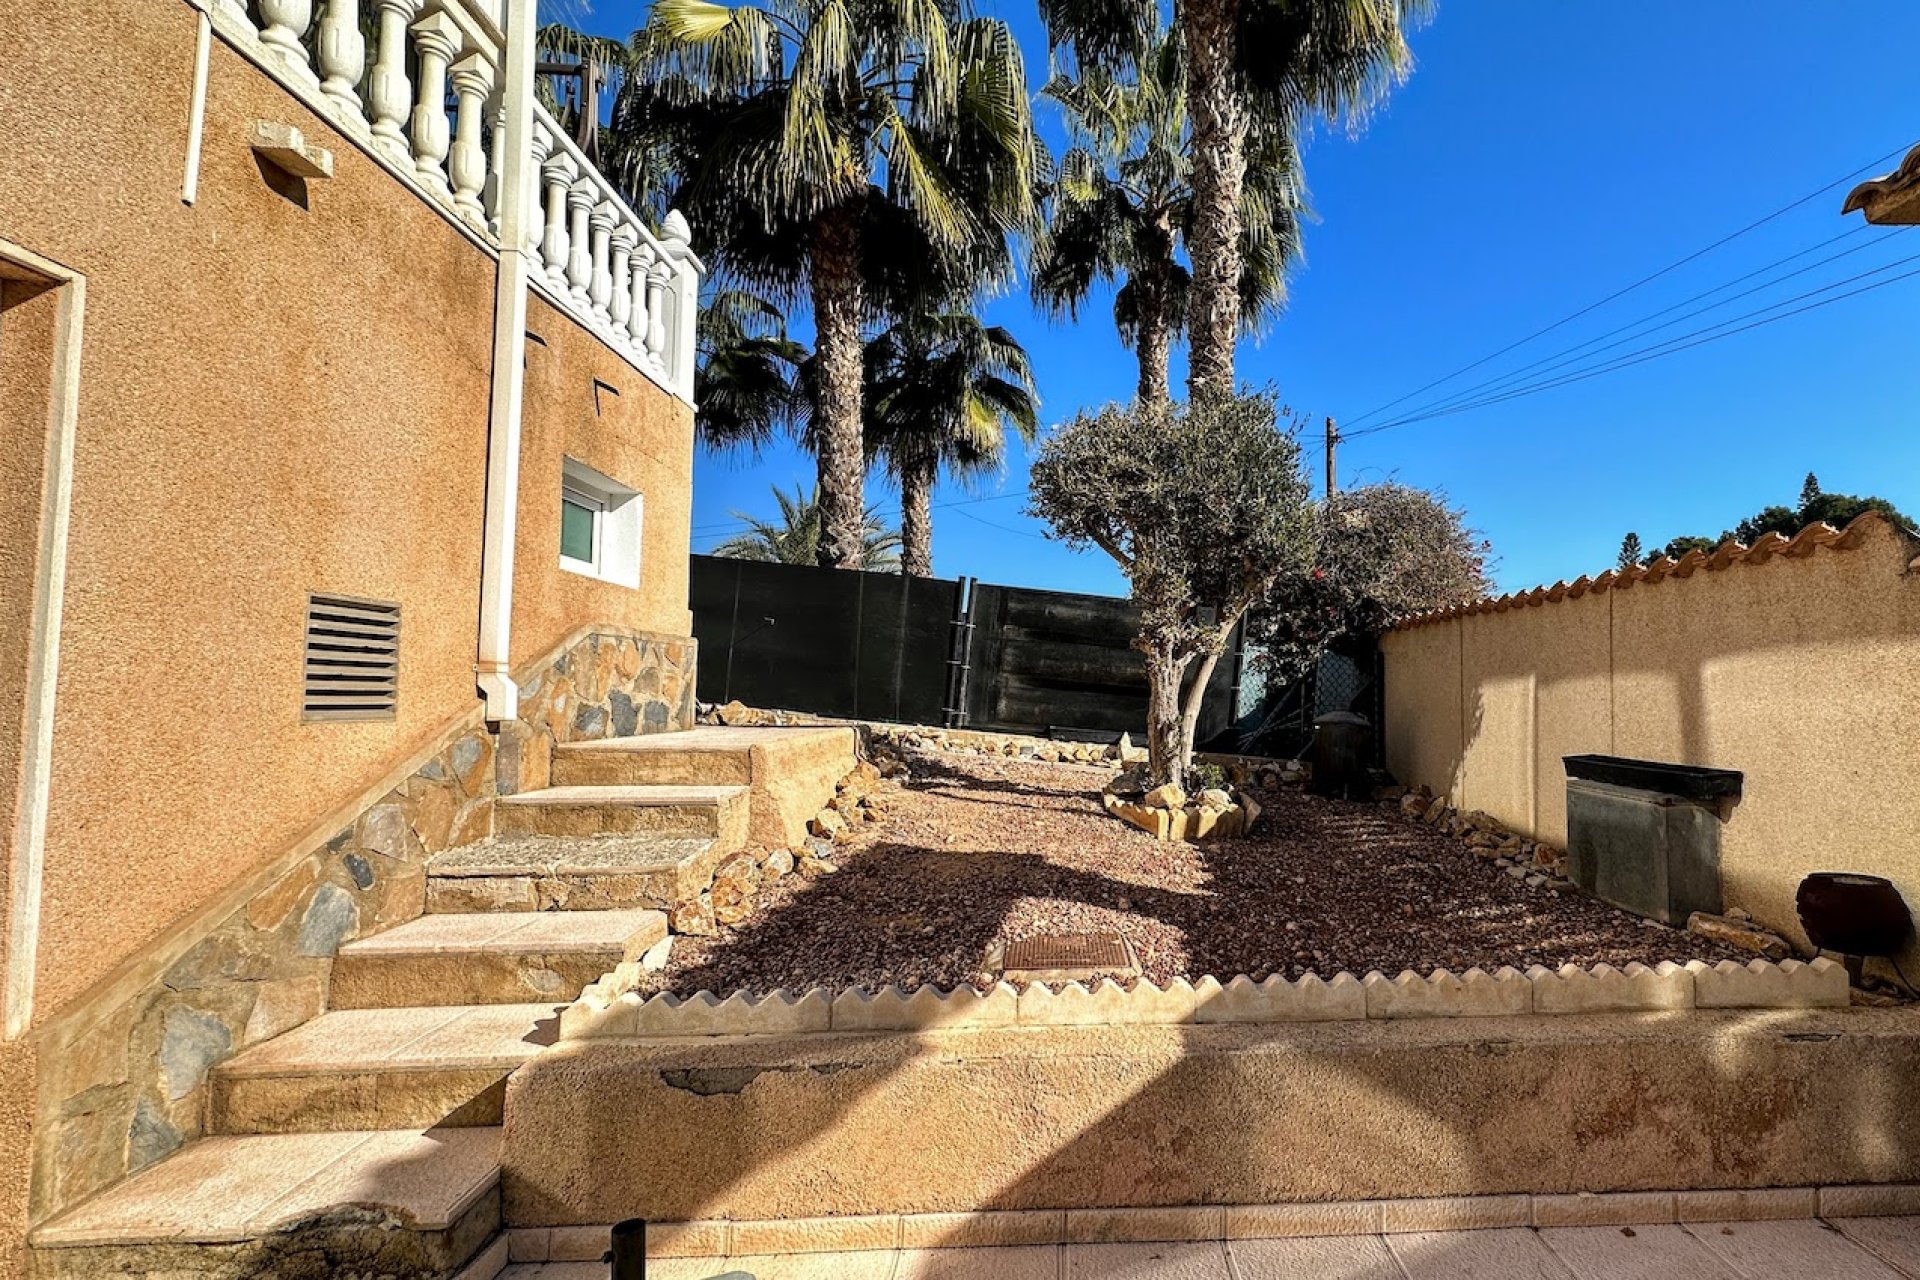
column 1333, row 440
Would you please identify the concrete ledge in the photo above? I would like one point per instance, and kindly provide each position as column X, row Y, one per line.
column 1287, row 1117
column 718, row 1238
column 609, row 1010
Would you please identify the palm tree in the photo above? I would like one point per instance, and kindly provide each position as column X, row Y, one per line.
column 1123, row 204
column 836, row 149
column 747, row 386
column 1251, row 66
column 795, row 537
column 942, row 390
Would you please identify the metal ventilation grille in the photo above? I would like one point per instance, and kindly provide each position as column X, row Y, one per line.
column 353, row 659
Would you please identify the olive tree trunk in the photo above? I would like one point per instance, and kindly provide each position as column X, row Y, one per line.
column 1197, row 691
column 1166, row 756
column 916, row 518
column 1219, row 114
column 838, row 310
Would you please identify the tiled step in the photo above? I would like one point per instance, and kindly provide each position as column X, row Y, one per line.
column 719, row 813
column 289, row 1204
column 791, row 772
column 556, row 873
column 496, row 958
column 381, row 1069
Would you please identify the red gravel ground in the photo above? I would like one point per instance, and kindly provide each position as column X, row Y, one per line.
column 978, row 850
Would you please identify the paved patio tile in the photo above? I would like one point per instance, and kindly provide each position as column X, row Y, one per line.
column 1206, row 1261
column 874, row 1264
column 1315, row 1258
column 1028, row 1262
column 1512, row 1254
column 1653, row 1252
column 1893, row 1240
column 1803, row 1248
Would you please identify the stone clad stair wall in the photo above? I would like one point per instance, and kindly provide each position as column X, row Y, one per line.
column 215, row 1052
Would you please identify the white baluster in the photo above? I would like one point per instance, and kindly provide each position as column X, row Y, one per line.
column 559, row 172
column 539, row 143
column 343, row 55
column 620, row 305
column 472, row 81
column 437, row 37
column 637, row 314
column 580, row 198
column 600, row 290
column 657, row 277
column 496, row 161
column 287, row 22
column 388, row 91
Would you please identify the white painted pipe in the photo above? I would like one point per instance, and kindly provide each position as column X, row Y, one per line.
column 493, row 663
column 197, row 109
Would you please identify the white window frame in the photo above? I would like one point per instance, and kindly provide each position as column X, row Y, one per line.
column 617, row 511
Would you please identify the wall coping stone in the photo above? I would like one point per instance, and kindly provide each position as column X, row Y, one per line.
column 608, row 1011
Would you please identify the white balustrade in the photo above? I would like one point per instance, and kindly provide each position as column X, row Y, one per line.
column 596, row 259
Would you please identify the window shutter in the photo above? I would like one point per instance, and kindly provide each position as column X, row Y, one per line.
column 352, row 659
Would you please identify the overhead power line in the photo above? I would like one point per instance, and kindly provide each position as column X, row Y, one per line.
column 1637, row 284
column 1673, row 346
column 1592, row 346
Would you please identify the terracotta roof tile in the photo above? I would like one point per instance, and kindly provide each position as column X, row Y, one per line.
column 1888, row 198
column 1727, row 554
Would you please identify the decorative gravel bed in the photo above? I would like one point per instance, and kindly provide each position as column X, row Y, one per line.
column 978, row 851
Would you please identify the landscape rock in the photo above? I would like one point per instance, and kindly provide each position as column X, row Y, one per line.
column 695, row 917
column 779, row 863
column 813, row 868
column 1739, row 933
column 1166, row 796
column 827, row 823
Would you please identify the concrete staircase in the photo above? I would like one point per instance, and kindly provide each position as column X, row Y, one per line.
column 367, row 1141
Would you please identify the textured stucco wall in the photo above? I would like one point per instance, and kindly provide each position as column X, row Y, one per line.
column 1799, row 671
column 584, row 402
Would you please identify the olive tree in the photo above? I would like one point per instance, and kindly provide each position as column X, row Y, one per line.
column 1204, row 506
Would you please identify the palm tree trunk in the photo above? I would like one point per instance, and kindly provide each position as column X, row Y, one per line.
column 838, row 310
column 916, row 518
column 1150, row 343
column 1219, row 113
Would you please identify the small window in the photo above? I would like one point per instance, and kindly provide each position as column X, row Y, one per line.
column 599, row 526
column 352, row 659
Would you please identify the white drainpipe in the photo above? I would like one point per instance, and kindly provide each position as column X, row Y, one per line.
column 492, row 667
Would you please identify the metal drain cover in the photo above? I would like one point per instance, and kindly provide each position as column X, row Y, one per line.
column 1066, row 957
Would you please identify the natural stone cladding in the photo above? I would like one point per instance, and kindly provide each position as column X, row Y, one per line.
column 610, row 1009
column 124, row 1077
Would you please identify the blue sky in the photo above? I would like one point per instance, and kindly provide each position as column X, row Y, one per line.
column 1541, row 157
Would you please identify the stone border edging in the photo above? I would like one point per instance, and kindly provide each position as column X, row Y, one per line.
column 606, row 1011
column 715, row 1238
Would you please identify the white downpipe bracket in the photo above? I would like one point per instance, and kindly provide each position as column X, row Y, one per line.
column 493, row 665
column 29, row 836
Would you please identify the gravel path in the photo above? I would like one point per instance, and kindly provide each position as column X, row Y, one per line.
column 980, row 850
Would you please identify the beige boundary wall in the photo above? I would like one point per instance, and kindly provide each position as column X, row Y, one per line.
column 1106, row 1117
column 282, row 389
column 1796, row 662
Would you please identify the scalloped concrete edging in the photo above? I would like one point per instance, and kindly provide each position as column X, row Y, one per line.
column 716, row 1237
column 609, row 1010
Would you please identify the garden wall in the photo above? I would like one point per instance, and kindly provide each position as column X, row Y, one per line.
column 1792, row 661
